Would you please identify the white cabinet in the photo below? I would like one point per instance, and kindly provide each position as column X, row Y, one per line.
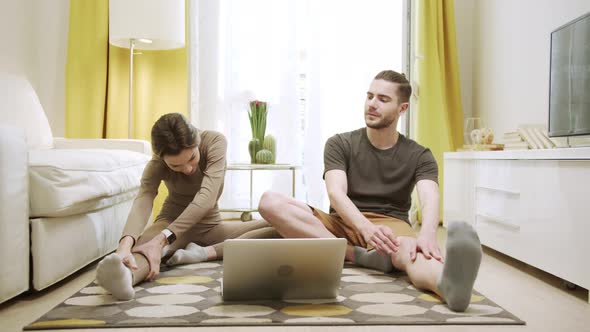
column 532, row 205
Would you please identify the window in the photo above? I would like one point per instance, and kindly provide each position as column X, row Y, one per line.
column 311, row 60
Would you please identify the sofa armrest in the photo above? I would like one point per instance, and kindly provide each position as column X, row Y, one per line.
column 136, row 145
column 14, row 212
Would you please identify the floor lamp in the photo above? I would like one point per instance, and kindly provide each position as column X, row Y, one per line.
column 145, row 25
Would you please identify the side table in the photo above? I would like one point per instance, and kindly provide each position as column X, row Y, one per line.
column 247, row 212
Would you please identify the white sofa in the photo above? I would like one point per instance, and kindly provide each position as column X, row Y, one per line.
column 63, row 202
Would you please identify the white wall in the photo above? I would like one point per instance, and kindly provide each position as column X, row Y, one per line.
column 464, row 10
column 509, row 66
column 51, row 35
column 16, row 38
column 33, row 43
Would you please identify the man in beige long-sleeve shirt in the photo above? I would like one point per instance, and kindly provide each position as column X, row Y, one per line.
column 192, row 165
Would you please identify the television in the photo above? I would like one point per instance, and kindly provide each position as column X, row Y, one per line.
column 569, row 80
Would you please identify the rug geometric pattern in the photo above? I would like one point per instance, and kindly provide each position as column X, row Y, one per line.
column 189, row 295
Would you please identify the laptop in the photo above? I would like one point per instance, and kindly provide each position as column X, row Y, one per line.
column 276, row 269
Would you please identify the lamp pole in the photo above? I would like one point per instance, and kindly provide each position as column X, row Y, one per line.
column 133, row 23
column 130, row 115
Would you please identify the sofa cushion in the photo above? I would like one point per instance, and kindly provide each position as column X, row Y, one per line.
column 65, row 182
column 20, row 107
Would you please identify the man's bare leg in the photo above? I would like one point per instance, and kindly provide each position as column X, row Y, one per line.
column 423, row 273
column 452, row 281
column 291, row 218
column 295, row 219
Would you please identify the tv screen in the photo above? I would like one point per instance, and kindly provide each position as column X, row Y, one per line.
column 569, row 82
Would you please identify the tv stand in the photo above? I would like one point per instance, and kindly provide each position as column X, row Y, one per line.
column 577, row 141
column 532, row 205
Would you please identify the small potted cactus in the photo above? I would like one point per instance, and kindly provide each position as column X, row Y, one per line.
column 270, row 144
column 262, row 149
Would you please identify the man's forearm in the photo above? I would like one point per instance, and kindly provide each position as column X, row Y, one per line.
column 430, row 219
column 430, row 216
column 349, row 213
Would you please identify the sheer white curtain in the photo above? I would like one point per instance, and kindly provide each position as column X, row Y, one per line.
column 241, row 51
column 311, row 60
column 350, row 42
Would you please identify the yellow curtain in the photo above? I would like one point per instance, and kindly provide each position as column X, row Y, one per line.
column 97, row 81
column 86, row 69
column 438, row 119
column 160, row 86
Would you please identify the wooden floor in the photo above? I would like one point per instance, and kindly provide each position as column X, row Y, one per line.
column 536, row 297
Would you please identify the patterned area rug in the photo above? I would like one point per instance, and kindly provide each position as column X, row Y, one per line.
column 189, row 295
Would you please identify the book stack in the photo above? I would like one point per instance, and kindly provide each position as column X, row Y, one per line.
column 514, row 141
column 527, row 137
column 481, row 147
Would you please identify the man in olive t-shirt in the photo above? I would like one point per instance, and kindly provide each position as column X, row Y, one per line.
column 370, row 174
column 379, row 180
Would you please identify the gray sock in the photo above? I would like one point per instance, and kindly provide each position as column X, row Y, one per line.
column 193, row 253
column 372, row 259
column 461, row 265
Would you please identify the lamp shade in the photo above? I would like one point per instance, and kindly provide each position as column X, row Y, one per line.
column 161, row 21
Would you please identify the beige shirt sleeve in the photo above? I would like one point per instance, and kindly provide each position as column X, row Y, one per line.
column 213, row 149
column 142, row 205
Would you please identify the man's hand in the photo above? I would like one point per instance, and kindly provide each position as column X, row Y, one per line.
column 381, row 238
column 152, row 250
column 426, row 243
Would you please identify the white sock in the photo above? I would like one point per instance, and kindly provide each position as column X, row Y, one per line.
column 461, row 265
column 115, row 277
column 193, row 253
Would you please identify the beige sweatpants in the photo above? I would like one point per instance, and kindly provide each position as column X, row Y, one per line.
column 210, row 232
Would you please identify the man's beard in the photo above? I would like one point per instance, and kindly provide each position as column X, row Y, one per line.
column 382, row 123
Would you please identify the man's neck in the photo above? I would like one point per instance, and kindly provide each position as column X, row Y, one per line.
column 383, row 138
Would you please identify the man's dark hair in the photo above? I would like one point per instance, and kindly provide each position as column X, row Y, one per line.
column 404, row 89
column 172, row 133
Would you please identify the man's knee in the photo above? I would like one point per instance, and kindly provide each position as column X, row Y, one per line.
column 269, row 204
